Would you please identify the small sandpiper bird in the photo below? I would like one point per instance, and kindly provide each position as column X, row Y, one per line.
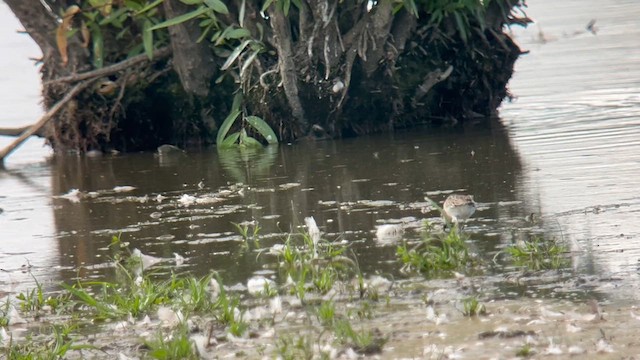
column 459, row 207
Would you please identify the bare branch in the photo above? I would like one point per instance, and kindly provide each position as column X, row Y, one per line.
column 111, row 69
column 44, row 119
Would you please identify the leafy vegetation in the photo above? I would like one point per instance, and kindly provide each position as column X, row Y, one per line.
column 439, row 253
column 465, row 13
column 175, row 345
column 525, row 351
column 472, row 307
column 55, row 342
column 254, row 235
column 363, row 341
column 538, row 253
column 333, row 297
column 241, row 137
column 314, row 266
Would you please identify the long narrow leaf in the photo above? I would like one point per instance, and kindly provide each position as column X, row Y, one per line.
column 462, row 28
column 266, row 5
column 237, row 33
column 98, row 46
column 81, row 295
column 180, row 19
column 237, row 102
column 230, row 141
column 234, row 55
column 248, row 62
column 115, row 18
column 148, row 7
column 147, row 39
column 285, row 7
column 411, row 6
column 243, row 6
column 226, row 125
column 263, row 128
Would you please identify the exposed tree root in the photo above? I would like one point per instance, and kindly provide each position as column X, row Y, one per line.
column 287, row 67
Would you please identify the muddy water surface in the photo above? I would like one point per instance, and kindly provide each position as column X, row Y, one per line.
column 567, row 150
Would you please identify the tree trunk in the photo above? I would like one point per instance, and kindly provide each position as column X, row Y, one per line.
column 192, row 60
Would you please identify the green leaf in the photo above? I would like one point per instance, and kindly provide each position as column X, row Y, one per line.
column 98, row 46
column 230, row 141
column 180, row 19
column 221, row 78
column 205, row 32
column 237, row 102
column 411, row 7
column 248, row 141
column 149, row 7
column 462, row 28
column 237, row 34
column 263, row 128
column 266, row 5
column 226, row 125
column 260, row 30
column 206, row 22
column 133, row 5
column 136, row 50
column 248, row 62
column 147, row 39
column 192, row 2
column 243, row 6
column 286, row 6
column 216, row 36
column 234, row 55
column 217, row 6
column 80, row 294
column 116, row 18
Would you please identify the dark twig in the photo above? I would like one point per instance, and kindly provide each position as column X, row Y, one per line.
column 111, row 69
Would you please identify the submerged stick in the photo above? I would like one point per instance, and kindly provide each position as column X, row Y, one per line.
column 43, row 120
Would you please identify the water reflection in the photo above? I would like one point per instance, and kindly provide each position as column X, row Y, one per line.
column 245, row 164
column 187, row 205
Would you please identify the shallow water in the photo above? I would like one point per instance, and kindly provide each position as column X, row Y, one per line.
column 567, row 149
